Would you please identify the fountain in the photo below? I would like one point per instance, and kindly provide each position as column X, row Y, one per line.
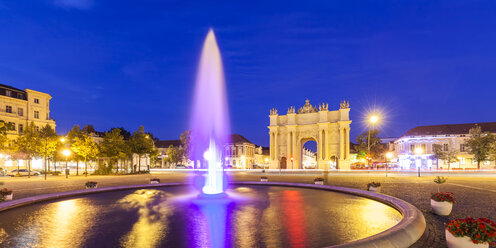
column 246, row 214
column 210, row 122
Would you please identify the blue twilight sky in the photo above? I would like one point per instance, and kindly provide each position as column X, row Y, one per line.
column 131, row 63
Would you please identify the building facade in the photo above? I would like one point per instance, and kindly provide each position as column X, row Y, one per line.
column 329, row 129
column 21, row 107
column 415, row 148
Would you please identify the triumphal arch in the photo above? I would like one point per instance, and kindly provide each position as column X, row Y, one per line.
column 329, row 129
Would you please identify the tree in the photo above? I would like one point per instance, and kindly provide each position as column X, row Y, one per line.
column 4, row 140
column 48, row 144
column 125, row 133
column 174, row 155
column 480, row 144
column 28, row 143
column 449, row 156
column 141, row 144
column 77, row 133
column 186, row 143
column 85, row 148
column 376, row 148
column 112, row 146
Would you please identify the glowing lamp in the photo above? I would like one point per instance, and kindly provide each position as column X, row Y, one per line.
column 389, row 155
column 66, row 152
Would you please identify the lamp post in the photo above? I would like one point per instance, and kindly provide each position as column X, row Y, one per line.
column 266, row 162
column 389, row 155
column 66, row 153
column 292, row 163
column 418, row 152
column 373, row 119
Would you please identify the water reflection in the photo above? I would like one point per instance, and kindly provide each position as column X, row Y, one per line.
column 60, row 224
column 152, row 211
column 209, row 223
column 294, row 217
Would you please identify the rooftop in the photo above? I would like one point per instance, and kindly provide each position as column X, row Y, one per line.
column 450, row 129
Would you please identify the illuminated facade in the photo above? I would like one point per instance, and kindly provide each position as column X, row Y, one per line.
column 20, row 107
column 415, row 148
column 329, row 129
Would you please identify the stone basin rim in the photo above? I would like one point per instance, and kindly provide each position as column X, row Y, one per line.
column 403, row 234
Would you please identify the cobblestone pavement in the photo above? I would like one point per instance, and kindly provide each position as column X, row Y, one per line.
column 475, row 195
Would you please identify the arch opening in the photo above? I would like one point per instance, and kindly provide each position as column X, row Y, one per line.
column 309, row 154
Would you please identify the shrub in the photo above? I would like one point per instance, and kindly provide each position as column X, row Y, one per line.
column 263, row 177
column 56, row 173
column 155, row 179
column 481, row 230
column 373, row 184
column 318, row 179
column 443, row 197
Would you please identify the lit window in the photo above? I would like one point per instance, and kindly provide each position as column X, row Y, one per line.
column 20, row 111
column 37, row 114
column 8, row 93
column 8, row 109
column 462, row 161
column 36, row 100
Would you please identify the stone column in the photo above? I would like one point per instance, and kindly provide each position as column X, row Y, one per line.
column 341, row 145
column 327, row 144
column 288, row 145
column 271, row 146
column 276, row 148
column 347, row 145
column 295, row 150
column 319, row 147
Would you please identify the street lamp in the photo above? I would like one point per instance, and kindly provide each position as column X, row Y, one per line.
column 266, row 162
column 62, row 139
column 389, row 155
column 292, row 163
column 373, row 119
column 66, row 153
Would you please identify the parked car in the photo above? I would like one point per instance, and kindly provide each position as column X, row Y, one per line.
column 22, row 172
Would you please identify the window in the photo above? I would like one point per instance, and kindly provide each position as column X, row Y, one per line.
column 412, row 147
column 12, row 126
column 21, row 128
column 20, row 111
column 462, row 161
column 47, row 117
column 36, row 100
column 8, row 93
column 37, row 114
column 487, row 162
column 445, row 147
column 462, row 147
column 37, row 129
column 19, row 95
column 8, row 109
column 422, row 146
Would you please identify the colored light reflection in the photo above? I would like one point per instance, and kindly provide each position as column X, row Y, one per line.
column 209, row 227
column 294, row 217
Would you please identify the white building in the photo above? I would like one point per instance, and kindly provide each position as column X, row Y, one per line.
column 20, row 107
column 415, row 148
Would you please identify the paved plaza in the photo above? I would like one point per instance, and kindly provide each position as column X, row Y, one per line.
column 475, row 194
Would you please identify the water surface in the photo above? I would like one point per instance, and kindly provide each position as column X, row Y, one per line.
column 252, row 216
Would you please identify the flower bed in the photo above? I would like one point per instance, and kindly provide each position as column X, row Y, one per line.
column 481, row 231
column 154, row 180
column 319, row 180
column 6, row 194
column 91, row 185
column 374, row 186
column 443, row 197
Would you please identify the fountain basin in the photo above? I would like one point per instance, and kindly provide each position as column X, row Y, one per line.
column 253, row 214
